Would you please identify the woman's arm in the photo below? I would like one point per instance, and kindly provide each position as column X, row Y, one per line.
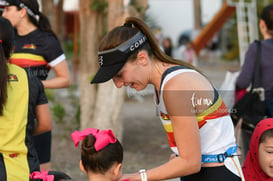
column 187, row 139
column 44, row 121
column 62, row 77
column 246, row 73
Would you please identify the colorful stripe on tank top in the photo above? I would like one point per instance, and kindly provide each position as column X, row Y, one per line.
column 217, row 110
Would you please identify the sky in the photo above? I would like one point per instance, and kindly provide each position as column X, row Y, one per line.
column 176, row 16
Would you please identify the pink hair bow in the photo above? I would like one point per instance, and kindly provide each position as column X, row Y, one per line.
column 42, row 175
column 103, row 138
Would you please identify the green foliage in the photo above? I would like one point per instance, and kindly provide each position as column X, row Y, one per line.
column 50, row 95
column 233, row 54
column 137, row 5
column 99, row 5
column 69, row 49
column 91, row 77
column 78, row 116
column 74, row 101
column 72, row 89
column 59, row 113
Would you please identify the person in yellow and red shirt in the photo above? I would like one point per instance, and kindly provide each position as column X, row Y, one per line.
column 24, row 112
column 37, row 50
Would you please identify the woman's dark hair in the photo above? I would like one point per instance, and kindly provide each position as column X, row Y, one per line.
column 41, row 21
column 267, row 134
column 267, row 16
column 6, row 45
column 102, row 160
column 133, row 25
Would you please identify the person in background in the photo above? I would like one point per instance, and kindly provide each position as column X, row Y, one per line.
column 101, row 154
column 189, row 55
column 200, row 134
column 37, row 50
column 167, row 46
column 22, row 99
column 259, row 159
column 212, row 47
column 246, row 74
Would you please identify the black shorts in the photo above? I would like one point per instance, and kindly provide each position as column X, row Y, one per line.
column 3, row 173
column 42, row 145
column 212, row 174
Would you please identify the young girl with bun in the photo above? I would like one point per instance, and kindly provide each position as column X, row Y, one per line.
column 101, row 154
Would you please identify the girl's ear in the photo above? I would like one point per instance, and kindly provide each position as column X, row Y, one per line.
column 82, row 167
column 117, row 169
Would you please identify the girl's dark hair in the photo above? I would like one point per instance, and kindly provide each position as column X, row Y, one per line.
column 42, row 22
column 6, row 45
column 133, row 25
column 267, row 16
column 102, row 160
column 267, row 134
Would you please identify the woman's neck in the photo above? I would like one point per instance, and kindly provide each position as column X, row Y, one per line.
column 267, row 37
column 158, row 69
column 25, row 28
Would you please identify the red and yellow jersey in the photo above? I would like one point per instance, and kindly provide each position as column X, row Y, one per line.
column 37, row 52
column 17, row 151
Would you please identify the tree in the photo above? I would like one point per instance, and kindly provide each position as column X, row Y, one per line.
column 91, row 23
column 48, row 10
column 59, row 27
column 55, row 14
column 197, row 14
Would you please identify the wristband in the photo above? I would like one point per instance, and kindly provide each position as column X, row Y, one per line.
column 143, row 174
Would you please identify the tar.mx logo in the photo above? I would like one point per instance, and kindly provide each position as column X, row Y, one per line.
column 200, row 101
column 101, row 60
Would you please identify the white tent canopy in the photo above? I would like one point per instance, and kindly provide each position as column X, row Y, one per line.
column 71, row 5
